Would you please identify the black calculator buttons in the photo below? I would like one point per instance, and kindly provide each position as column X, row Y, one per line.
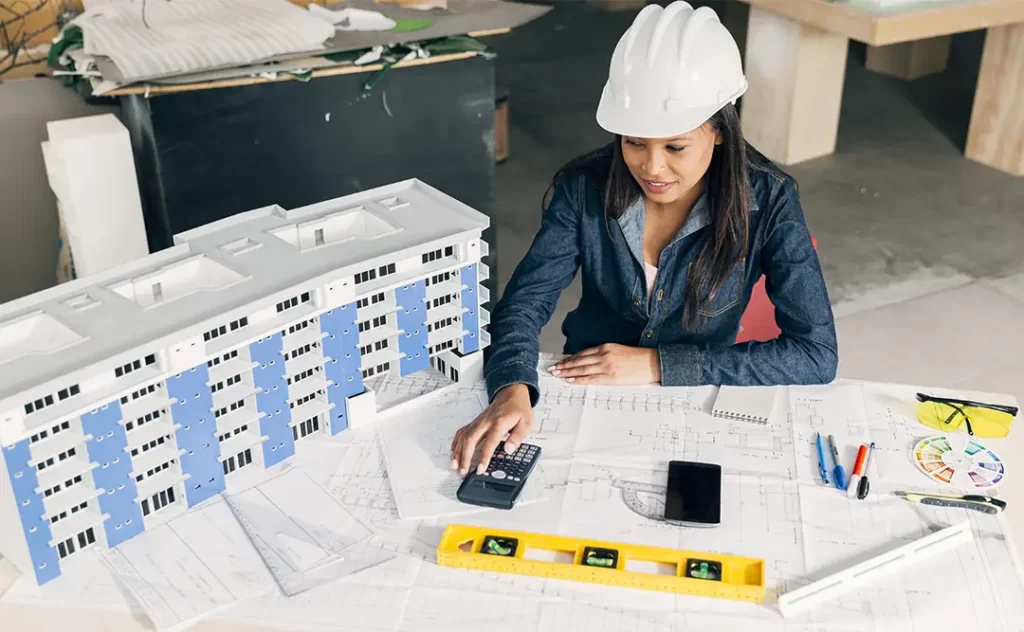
column 511, row 469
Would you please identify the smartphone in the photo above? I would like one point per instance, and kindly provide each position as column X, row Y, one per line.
column 694, row 494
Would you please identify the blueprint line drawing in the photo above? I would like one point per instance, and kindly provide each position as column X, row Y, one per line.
column 189, row 568
column 773, row 508
column 640, row 399
column 654, row 431
column 557, row 417
column 977, row 582
column 361, row 485
column 741, row 447
column 393, row 392
column 302, row 534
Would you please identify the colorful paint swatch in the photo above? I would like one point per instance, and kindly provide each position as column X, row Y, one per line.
column 966, row 467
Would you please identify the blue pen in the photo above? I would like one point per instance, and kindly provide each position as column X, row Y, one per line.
column 821, row 461
column 838, row 472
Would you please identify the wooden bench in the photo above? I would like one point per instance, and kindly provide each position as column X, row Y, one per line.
column 795, row 60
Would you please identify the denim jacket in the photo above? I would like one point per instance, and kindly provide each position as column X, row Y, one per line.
column 615, row 307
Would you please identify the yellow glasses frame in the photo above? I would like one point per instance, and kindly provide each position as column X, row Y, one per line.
column 948, row 414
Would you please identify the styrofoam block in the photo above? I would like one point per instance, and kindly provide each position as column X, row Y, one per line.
column 92, row 172
column 362, row 409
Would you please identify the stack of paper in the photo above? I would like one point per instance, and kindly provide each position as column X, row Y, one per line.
column 160, row 38
column 356, row 554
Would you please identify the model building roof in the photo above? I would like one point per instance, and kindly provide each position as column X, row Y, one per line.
column 218, row 273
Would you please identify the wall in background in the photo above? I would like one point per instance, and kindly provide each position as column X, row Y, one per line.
column 28, row 209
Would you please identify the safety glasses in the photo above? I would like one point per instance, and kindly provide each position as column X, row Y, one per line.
column 948, row 414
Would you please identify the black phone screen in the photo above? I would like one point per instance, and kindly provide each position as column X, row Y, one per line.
column 694, row 493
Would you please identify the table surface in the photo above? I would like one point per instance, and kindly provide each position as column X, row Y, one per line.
column 26, row 617
column 864, row 22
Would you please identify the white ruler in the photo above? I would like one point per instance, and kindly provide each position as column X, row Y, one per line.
column 838, row 583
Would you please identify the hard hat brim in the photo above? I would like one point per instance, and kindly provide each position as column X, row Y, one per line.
column 639, row 124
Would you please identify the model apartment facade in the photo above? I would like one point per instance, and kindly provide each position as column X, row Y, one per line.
column 128, row 397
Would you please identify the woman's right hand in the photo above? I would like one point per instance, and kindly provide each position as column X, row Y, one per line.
column 510, row 412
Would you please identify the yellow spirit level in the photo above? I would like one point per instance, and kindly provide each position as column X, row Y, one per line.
column 698, row 574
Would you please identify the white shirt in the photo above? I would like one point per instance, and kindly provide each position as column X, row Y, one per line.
column 652, row 274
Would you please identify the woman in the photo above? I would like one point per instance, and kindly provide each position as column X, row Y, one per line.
column 671, row 224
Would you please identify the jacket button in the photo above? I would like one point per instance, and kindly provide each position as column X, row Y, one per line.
column 650, row 333
column 637, row 303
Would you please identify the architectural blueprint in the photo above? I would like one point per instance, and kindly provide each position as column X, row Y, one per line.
column 630, row 424
column 190, row 567
column 286, row 530
column 974, row 586
column 361, row 485
column 742, row 447
column 557, row 417
column 393, row 391
column 773, row 508
column 304, row 536
column 836, row 410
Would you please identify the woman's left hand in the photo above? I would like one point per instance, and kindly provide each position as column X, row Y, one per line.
column 611, row 364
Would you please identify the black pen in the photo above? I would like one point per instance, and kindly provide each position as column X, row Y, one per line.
column 863, row 486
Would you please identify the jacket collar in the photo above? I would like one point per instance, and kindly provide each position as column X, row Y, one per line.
column 632, row 224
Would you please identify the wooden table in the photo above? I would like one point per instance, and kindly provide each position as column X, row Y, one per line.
column 796, row 57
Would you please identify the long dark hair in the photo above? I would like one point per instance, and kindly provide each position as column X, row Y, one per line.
column 727, row 185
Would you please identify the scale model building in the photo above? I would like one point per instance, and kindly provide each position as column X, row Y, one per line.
column 130, row 396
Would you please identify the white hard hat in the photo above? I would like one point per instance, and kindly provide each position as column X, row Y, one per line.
column 671, row 71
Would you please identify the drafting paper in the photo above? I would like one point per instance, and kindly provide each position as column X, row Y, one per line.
column 633, row 424
column 741, row 447
column 434, row 609
column 88, row 584
column 557, row 418
column 302, row 534
column 338, row 606
column 974, row 586
column 836, row 410
column 417, row 452
column 204, row 561
column 361, row 484
column 189, row 568
column 773, row 508
column 561, row 616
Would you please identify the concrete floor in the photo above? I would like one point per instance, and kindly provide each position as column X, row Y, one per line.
column 898, row 211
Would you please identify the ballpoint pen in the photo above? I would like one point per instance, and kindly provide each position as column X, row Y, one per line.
column 838, row 473
column 858, row 471
column 864, row 486
column 984, row 504
column 822, row 468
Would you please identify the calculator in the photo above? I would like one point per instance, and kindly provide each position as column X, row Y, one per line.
column 504, row 479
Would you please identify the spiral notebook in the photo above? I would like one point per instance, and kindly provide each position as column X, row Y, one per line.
column 745, row 403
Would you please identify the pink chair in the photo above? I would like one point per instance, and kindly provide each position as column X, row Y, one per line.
column 758, row 322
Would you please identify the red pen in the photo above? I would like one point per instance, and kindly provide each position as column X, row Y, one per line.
column 858, row 471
